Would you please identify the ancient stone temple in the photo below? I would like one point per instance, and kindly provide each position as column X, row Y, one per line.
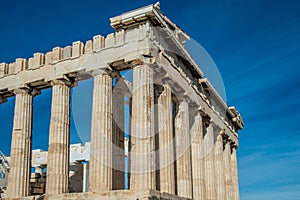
column 182, row 135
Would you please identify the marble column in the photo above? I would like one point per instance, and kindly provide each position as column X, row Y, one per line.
column 100, row 176
column 219, row 169
column 183, row 151
column 142, row 155
column 236, row 195
column 85, row 181
column 59, row 139
column 20, row 159
column 128, row 147
column 228, row 172
column 118, row 148
column 198, row 174
column 209, row 140
column 166, row 141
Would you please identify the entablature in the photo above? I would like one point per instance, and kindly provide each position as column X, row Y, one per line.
column 116, row 52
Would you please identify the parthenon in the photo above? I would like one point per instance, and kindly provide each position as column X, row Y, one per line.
column 182, row 135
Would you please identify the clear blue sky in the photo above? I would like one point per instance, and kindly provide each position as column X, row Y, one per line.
column 254, row 43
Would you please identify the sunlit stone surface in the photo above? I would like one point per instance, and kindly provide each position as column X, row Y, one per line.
column 181, row 137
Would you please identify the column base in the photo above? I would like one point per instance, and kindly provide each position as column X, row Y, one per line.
column 111, row 195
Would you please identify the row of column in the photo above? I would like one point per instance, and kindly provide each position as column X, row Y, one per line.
column 186, row 167
column 214, row 165
column 58, row 153
column 200, row 163
column 59, row 141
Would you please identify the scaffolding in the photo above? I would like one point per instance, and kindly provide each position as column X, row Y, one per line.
column 4, row 169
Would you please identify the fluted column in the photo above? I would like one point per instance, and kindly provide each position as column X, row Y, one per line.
column 236, row 195
column 183, row 151
column 59, row 139
column 142, row 155
column 166, row 142
column 20, row 159
column 209, row 139
column 198, row 174
column 219, row 169
column 118, row 162
column 100, row 176
column 228, row 172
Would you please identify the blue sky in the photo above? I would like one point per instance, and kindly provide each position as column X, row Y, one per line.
column 255, row 44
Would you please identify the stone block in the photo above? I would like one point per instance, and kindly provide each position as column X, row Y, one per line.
column 37, row 60
column 116, row 195
column 131, row 35
column 88, row 47
column 12, row 68
column 110, row 40
column 77, row 49
column 3, row 69
column 143, row 31
column 30, row 63
column 21, row 64
column 120, row 37
column 67, row 52
column 56, row 54
column 98, row 43
column 48, row 58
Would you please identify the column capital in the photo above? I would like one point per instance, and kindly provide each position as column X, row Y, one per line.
column 27, row 90
column 159, row 89
column 136, row 62
column 97, row 72
column 229, row 141
column 233, row 145
column 66, row 82
column 143, row 59
column 184, row 97
column 109, row 71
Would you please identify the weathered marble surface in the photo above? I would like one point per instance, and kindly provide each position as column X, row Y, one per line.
column 199, row 163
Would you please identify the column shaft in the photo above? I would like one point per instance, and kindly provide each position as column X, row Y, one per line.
column 219, row 169
column 228, row 172
column 100, row 176
column 236, row 195
column 166, row 142
column 118, row 149
column 85, row 177
column 20, row 160
column 59, row 140
column 142, row 155
column 198, row 174
column 183, row 151
column 209, row 164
